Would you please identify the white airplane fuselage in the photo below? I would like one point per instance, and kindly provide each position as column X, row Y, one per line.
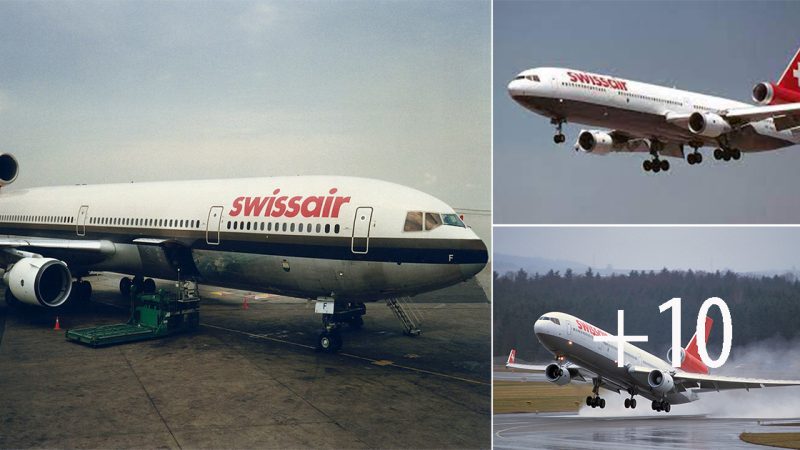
column 639, row 108
column 572, row 339
column 306, row 236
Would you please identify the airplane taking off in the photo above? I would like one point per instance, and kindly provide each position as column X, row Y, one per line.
column 341, row 241
column 661, row 120
column 581, row 358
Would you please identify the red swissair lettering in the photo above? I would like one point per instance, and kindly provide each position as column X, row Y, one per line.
column 585, row 78
column 594, row 331
column 289, row 206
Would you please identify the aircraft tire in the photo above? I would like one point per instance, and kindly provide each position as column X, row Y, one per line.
column 602, row 403
column 698, row 158
column 656, row 167
column 726, row 156
column 633, row 403
column 664, row 165
column 647, row 165
column 736, row 154
column 627, row 403
column 666, row 407
column 125, row 286
column 149, row 286
column 589, row 400
column 718, row 154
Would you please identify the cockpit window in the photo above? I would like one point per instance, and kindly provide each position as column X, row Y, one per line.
column 413, row 221
column 520, row 77
column 533, row 78
column 453, row 220
column 544, row 318
column 555, row 321
column 432, row 220
column 528, row 77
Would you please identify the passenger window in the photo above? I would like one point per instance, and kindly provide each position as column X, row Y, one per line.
column 291, row 227
column 284, row 227
column 327, row 228
column 229, row 224
column 336, row 229
column 432, row 220
column 269, row 226
column 319, row 227
column 413, row 221
column 262, row 226
column 248, row 226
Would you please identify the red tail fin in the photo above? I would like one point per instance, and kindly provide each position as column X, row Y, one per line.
column 791, row 76
column 512, row 357
column 692, row 361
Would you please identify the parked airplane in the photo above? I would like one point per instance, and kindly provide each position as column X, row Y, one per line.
column 661, row 120
column 341, row 241
column 581, row 358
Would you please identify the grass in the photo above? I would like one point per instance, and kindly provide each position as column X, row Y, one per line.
column 517, row 397
column 783, row 440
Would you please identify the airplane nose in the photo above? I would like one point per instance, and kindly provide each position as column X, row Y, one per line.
column 516, row 88
column 478, row 262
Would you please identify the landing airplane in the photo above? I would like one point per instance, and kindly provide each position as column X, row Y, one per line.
column 341, row 241
column 582, row 359
column 661, row 120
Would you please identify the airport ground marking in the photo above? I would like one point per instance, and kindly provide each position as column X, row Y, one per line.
column 349, row 355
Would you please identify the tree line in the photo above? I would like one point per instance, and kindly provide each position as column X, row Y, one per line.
column 761, row 307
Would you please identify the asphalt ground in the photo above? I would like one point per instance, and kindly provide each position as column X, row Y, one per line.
column 249, row 377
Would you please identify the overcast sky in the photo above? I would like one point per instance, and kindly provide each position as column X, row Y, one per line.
column 719, row 48
column 118, row 91
column 742, row 249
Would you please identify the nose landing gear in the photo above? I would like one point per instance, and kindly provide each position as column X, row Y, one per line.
column 559, row 137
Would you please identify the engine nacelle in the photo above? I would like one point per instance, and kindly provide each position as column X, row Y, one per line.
column 597, row 142
column 556, row 374
column 8, row 169
column 708, row 124
column 660, row 381
column 772, row 94
column 39, row 281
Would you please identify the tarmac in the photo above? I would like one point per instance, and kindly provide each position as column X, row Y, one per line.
column 249, row 377
column 570, row 431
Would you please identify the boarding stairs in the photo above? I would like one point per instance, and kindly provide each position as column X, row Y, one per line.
column 409, row 316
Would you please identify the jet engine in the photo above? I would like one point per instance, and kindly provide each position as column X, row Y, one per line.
column 660, row 381
column 708, row 124
column 671, row 352
column 8, row 169
column 39, row 281
column 597, row 142
column 772, row 94
column 556, row 374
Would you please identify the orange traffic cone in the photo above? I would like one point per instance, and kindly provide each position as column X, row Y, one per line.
column 245, row 305
column 58, row 325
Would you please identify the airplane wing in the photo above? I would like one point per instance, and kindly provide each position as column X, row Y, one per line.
column 705, row 383
column 785, row 116
column 36, row 244
column 575, row 372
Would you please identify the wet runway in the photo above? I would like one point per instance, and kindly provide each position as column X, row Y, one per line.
column 569, row 431
column 249, row 378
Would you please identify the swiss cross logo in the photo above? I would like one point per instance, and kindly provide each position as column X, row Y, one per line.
column 796, row 73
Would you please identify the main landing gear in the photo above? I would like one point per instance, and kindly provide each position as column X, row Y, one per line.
column 695, row 157
column 596, row 401
column 630, row 402
column 661, row 405
column 559, row 137
column 656, row 165
column 726, row 153
column 335, row 315
column 145, row 285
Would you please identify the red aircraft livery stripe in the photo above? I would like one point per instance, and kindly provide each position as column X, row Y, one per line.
column 289, row 206
column 597, row 80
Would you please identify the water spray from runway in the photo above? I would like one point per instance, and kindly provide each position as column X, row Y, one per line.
column 772, row 359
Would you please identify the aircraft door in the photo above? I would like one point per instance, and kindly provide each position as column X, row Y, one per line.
column 213, row 224
column 361, row 225
column 80, row 224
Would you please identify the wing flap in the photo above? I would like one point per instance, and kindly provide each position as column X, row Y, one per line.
column 755, row 113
